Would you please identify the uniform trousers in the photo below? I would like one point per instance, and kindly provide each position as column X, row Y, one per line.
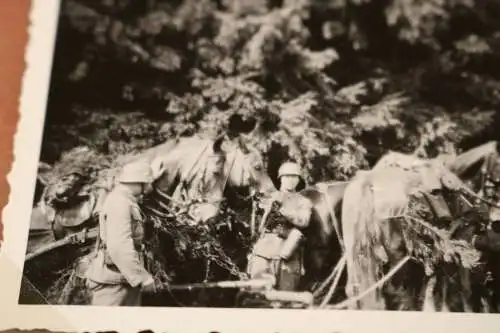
column 262, row 263
column 114, row 294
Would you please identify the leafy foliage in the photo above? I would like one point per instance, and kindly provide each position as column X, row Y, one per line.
column 333, row 84
column 289, row 73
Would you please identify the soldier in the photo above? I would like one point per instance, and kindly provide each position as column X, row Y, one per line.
column 277, row 253
column 117, row 275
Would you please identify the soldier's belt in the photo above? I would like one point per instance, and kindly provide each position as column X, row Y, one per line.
column 109, row 262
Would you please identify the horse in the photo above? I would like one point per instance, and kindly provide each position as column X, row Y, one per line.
column 379, row 234
column 323, row 248
column 200, row 175
column 324, row 237
column 479, row 169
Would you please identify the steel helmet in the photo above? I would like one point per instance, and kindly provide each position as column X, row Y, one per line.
column 289, row 169
column 137, row 172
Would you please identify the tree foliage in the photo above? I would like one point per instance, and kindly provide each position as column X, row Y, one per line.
column 332, row 84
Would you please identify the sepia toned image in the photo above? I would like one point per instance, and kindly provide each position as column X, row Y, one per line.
column 301, row 154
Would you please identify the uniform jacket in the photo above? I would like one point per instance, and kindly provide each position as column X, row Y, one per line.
column 293, row 207
column 118, row 258
column 295, row 212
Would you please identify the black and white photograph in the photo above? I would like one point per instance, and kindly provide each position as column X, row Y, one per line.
column 266, row 154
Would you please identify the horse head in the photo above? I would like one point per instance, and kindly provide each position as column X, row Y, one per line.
column 190, row 171
column 246, row 169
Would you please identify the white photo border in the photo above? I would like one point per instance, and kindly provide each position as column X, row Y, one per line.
column 16, row 216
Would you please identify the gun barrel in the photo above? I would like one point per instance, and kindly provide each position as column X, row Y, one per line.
column 90, row 234
column 289, row 296
column 253, row 284
column 47, row 248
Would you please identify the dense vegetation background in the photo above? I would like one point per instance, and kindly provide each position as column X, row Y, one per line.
column 332, row 83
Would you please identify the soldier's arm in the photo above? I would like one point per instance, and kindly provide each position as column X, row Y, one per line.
column 120, row 245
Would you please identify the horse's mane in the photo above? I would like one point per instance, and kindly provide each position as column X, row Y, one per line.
column 178, row 147
column 188, row 154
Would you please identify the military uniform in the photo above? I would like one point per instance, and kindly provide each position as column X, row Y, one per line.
column 278, row 252
column 117, row 272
